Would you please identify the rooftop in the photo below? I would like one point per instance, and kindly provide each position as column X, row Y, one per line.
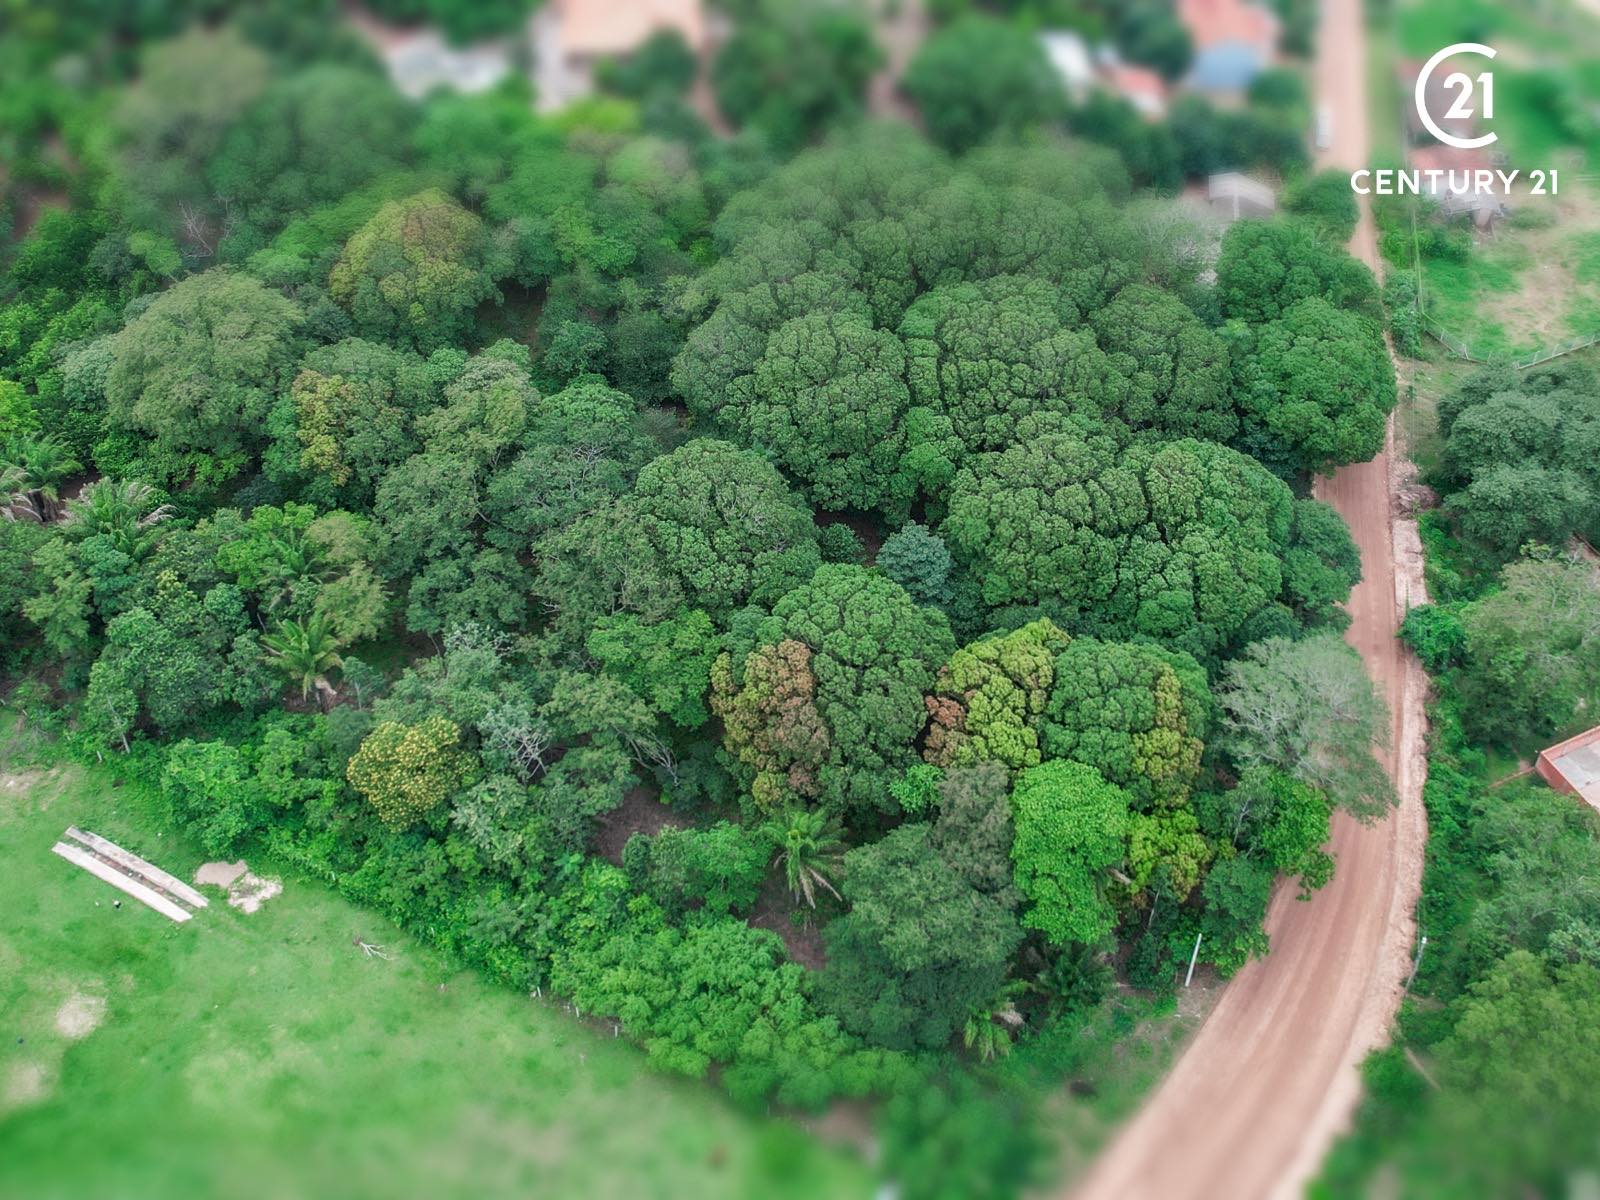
column 602, row 27
column 1215, row 22
column 1573, row 766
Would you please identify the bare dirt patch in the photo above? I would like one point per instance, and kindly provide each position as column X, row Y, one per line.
column 247, row 891
column 26, row 1083
column 772, row 912
column 80, row 1015
column 641, row 811
column 220, row 874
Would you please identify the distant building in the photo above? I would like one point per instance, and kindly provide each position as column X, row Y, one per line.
column 1439, row 102
column 1452, row 189
column 1082, row 68
column 569, row 37
column 1234, row 197
column 1140, row 87
column 1072, row 59
column 1573, row 766
column 419, row 60
column 1234, row 41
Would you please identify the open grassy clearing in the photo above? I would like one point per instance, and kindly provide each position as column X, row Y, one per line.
column 1535, row 282
column 265, row 1056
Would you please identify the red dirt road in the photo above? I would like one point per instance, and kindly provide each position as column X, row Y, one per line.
column 1270, row 1079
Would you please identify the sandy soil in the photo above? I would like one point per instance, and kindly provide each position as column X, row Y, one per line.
column 80, row 1015
column 246, row 891
column 1271, row 1078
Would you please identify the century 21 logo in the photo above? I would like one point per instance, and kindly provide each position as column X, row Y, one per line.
column 1465, row 88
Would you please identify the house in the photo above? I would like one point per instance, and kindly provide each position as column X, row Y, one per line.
column 1438, row 100
column 1234, row 197
column 1446, row 175
column 568, row 38
column 1140, row 87
column 1072, row 59
column 1081, row 69
column 419, row 60
column 1234, row 41
column 1573, row 766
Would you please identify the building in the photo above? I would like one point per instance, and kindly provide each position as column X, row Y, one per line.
column 419, row 60
column 1072, row 59
column 1573, row 766
column 1140, row 87
column 1452, row 188
column 1234, row 197
column 1082, row 68
column 568, row 38
column 1439, row 102
column 1234, row 41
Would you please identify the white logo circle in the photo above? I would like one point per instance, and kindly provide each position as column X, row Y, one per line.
column 1462, row 106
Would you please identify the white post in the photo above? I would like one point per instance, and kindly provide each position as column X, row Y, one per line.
column 1193, row 958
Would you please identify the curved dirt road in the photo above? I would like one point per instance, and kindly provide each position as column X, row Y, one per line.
column 1270, row 1079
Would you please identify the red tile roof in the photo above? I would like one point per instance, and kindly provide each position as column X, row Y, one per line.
column 1212, row 22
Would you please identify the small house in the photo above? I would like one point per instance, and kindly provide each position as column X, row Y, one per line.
column 1234, row 41
column 1573, row 766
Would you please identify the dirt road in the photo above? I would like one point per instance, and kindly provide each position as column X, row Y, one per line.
column 1271, row 1078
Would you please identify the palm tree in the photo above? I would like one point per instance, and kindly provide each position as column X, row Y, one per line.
column 809, row 845
column 46, row 464
column 16, row 501
column 989, row 1030
column 305, row 651
column 124, row 511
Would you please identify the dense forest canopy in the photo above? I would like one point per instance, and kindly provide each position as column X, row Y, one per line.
column 599, row 544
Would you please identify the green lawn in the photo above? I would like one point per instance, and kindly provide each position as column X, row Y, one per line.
column 265, row 1056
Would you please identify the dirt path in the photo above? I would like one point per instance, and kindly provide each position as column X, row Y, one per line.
column 1271, row 1078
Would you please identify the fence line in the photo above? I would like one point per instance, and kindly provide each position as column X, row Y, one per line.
column 1464, row 351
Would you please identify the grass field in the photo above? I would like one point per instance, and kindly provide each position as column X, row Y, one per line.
column 265, row 1056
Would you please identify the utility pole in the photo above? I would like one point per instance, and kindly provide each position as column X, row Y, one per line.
column 1193, row 958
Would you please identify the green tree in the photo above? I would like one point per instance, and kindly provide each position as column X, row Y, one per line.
column 1314, row 387
column 918, row 561
column 348, row 419
column 305, row 651
column 668, row 664
column 1321, row 565
column 988, row 699
column 809, row 847
column 407, row 771
column 36, row 465
column 1149, row 32
column 979, row 76
column 197, row 372
column 794, row 67
column 725, row 524
column 872, row 654
column 827, row 401
column 1177, row 371
column 173, row 120
column 308, row 139
column 415, row 271
column 124, row 512
column 1177, row 541
column 919, row 948
column 1516, row 1113
column 1532, row 660
column 1324, row 199
column 1308, row 708
column 1267, row 267
column 1072, row 828
column 985, row 355
column 1138, row 714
